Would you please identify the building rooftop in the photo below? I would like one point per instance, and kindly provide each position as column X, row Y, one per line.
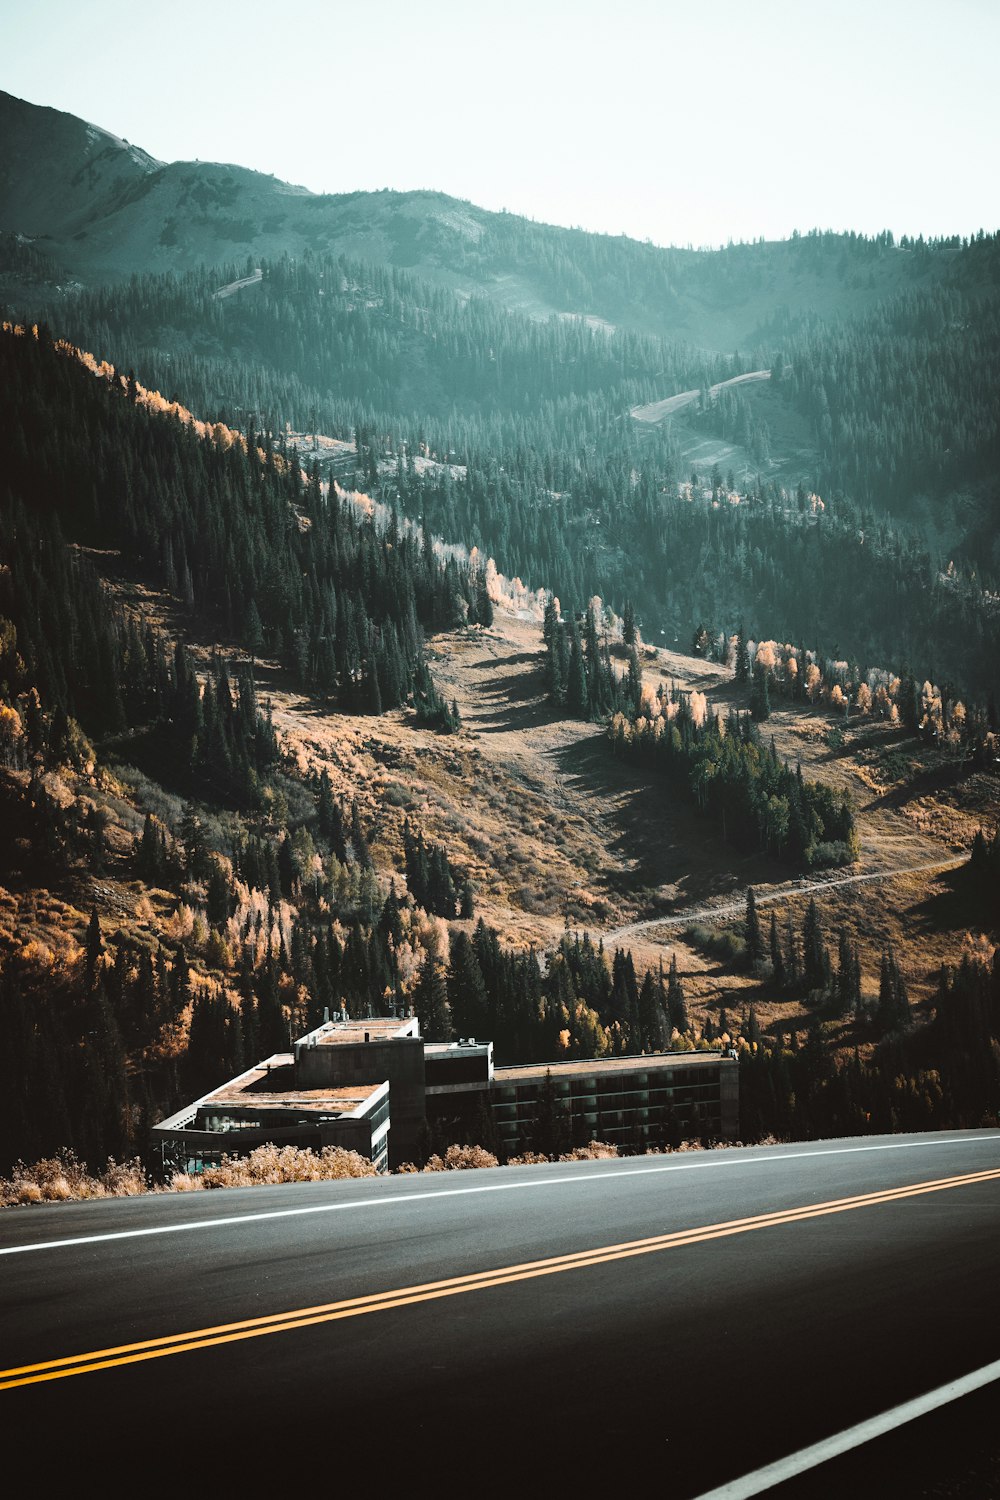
column 451, row 1049
column 271, row 1085
column 374, row 1029
column 643, row 1063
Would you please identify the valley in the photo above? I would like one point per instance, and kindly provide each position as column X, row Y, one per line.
column 554, row 832
column 500, row 746
column 373, row 569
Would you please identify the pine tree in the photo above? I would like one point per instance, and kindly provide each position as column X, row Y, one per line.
column 742, row 656
column 359, row 843
column 625, row 1000
column 893, row 1011
column 754, row 938
column 815, row 959
column 551, row 1133
column 777, row 958
column 430, row 1001
column 760, row 699
column 577, row 691
column 650, row 1016
column 676, row 1007
column 94, row 950
column 628, row 623
column 848, row 987
column 792, row 966
column 467, row 995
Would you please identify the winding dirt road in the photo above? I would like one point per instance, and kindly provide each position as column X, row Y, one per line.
column 655, row 411
column 779, row 893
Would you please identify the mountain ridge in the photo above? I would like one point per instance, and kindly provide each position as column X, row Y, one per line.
column 418, row 762
column 106, row 214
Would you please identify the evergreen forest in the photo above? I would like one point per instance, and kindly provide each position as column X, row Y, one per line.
column 292, row 467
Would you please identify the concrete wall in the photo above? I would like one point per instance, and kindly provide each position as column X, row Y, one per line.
column 189, row 1149
column 400, row 1060
column 729, row 1091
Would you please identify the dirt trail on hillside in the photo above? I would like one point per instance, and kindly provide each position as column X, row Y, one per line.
column 655, row 411
column 725, row 910
column 551, row 827
column 237, row 286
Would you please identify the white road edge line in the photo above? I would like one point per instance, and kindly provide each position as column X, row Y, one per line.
column 486, row 1187
column 852, row 1437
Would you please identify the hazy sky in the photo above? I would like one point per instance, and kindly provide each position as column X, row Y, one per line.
column 690, row 122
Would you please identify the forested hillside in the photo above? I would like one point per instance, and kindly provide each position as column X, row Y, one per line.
column 252, row 542
column 101, row 209
column 540, row 467
column 415, row 327
column 198, row 802
column 232, row 894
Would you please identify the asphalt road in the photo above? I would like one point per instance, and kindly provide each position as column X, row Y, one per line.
column 782, row 1295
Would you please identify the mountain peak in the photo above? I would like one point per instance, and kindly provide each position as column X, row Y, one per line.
column 59, row 170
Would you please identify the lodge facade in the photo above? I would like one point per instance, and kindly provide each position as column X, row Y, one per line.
column 376, row 1087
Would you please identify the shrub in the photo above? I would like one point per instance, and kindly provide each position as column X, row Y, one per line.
column 593, row 1151
column 184, row 1182
column 462, row 1159
column 893, row 766
column 825, row 856
column 717, row 942
column 270, row 1164
column 59, row 1178
column 124, row 1179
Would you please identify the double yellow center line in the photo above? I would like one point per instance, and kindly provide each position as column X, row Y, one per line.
column 354, row 1307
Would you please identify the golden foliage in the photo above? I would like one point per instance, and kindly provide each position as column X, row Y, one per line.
column 55, row 1179
column 180, row 924
column 462, row 1159
column 275, row 1164
column 10, row 724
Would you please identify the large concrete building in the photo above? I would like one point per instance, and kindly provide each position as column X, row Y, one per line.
column 377, row 1087
column 266, row 1105
column 335, row 1088
column 631, row 1102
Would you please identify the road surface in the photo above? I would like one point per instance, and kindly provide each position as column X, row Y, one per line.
column 664, row 1323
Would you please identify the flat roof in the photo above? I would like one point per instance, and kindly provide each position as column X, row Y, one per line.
column 454, row 1049
column 376, row 1029
column 251, row 1091
column 643, row 1063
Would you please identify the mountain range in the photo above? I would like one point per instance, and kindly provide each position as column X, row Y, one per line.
column 102, row 209
column 387, row 584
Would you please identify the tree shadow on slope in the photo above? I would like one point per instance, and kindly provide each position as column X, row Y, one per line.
column 506, row 704
column 655, row 838
column 928, row 781
column 957, row 904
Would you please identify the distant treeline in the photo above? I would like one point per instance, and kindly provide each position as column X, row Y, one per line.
column 942, row 1075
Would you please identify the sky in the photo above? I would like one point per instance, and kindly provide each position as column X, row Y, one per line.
column 682, row 123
